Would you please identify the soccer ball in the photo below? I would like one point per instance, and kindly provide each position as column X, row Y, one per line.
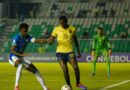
column 65, row 87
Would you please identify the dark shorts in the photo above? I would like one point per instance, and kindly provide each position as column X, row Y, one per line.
column 65, row 56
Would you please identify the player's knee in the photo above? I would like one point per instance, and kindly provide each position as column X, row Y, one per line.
column 32, row 69
column 65, row 70
column 16, row 63
column 94, row 60
column 38, row 73
column 75, row 67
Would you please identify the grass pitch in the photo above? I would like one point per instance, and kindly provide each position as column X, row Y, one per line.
column 53, row 76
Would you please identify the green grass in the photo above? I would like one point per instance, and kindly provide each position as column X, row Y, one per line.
column 53, row 76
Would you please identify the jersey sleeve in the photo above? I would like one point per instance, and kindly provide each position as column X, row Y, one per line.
column 54, row 33
column 93, row 43
column 31, row 39
column 75, row 31
column 15, row 41
column 108, row 42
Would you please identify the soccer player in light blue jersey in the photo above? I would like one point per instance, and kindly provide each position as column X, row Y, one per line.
column 17, row 58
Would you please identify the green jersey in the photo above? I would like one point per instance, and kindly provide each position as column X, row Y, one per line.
column 100, row 43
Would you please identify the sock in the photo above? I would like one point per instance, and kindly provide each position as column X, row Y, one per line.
column 40, row 79
column 94, row 64
column 108, row 65
column 18, row 74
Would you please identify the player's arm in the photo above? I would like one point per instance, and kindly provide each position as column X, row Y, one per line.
column 52, row 37
column 51, row 40
column 77, row 45
column 42, row 41
column 93, row 48
column 34, row 40
column 109, row 47
column 14, row 52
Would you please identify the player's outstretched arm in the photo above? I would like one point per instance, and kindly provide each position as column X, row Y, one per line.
column 51, row 40
column 77, row 46
column 42, row 41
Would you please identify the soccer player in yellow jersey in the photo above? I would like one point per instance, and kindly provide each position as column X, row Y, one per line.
column 66, row 36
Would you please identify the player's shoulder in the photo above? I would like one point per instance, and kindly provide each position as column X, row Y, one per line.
column 95, row 36
column 17, row 36
column 57, row 27
column 72, row 27
column 105, row 36
column 28, row 36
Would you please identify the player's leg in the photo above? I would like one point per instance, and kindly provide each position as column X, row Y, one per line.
column 107, row 58
column 73, row 62
column 38, row 75
column 16, row 62
column 63, row 63
column 64, row 67
column 18, row 74
column 30, row 67
column 94, row 65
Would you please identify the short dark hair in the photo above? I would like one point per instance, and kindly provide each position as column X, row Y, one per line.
column 63, row 18
column 100, row 28
column 23, row 25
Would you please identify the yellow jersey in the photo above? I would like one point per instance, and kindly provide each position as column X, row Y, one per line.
column 64, row 38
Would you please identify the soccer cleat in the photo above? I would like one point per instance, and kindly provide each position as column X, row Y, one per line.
column 81, row 86
column 92, row 74
column 70, row 87
column 16, row 88
column 48, row 89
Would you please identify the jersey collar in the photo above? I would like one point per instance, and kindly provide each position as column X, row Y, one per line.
column 21, row 35
column 64, row 28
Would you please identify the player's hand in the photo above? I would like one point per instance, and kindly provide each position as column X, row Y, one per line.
column 92, row 53
column 109, row 52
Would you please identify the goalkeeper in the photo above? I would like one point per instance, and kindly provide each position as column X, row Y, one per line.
column 101, row 46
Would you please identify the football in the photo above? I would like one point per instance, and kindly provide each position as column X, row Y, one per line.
column 65, row 87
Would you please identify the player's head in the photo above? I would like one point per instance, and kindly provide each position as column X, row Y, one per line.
column 23, row 28
column 100, row 30
column 63, row 21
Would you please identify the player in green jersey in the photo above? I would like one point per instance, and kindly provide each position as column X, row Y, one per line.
column 101, row 46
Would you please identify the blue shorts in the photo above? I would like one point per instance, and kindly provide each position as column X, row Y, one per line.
column 65, row 56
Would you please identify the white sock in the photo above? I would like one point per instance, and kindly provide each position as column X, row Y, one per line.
column 18, row 74
column 40, row 79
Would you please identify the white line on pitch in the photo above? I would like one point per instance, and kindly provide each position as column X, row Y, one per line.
column 114, row 85
column 73, row 80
